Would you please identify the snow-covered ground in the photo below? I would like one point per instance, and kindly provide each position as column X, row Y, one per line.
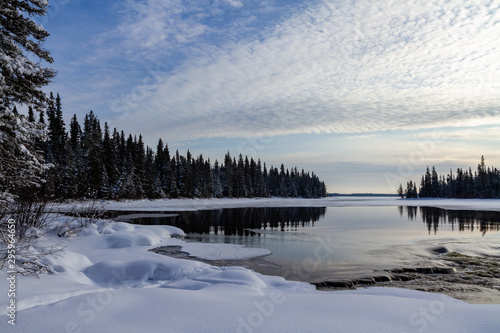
column 198, row 204
column 108, row 281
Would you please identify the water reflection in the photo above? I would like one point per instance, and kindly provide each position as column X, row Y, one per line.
column 461, row 220
column 240, row 221
column 230, row 221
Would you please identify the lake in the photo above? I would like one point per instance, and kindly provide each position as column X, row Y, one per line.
column 325, row 243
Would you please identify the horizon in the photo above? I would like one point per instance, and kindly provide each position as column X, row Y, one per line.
column 364, row 94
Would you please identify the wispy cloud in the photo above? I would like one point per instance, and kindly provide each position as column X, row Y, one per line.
column 468, row 134
column 335, row 66
column 158, row 24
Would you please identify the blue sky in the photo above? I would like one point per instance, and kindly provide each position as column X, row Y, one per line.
column 366, row 93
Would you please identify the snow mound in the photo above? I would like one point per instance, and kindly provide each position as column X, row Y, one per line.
column 234, row 275
column 114, row 235
column 115, row 274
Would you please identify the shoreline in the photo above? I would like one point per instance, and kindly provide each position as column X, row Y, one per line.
column 450, row 275
column 216, row 203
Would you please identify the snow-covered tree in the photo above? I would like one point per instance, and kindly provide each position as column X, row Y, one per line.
column 21, row 165
column 21, row 80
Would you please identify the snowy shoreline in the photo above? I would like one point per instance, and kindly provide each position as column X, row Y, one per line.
column 108, row 281
column 200, row 204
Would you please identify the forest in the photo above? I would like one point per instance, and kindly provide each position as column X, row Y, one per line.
column 96, row 162
column 483, row 183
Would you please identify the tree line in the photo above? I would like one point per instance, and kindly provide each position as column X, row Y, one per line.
column 96, row 162
column 483, row 183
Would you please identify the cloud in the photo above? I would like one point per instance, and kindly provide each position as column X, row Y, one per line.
column 234, row 3
column 160, row 24
column 471, row 134
column 337, row 66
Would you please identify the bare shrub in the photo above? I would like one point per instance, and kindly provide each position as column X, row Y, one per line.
column 31, row 220
column 84, row 214
column 89, row 212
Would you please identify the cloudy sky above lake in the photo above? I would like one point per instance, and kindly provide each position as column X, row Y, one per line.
column 366, row 93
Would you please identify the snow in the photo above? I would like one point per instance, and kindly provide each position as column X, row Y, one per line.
column 165, row 205
column 108, row 281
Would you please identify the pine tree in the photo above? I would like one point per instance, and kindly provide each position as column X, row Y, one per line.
column 21, row 39
column 21, row 164
column 91, row 156
column 21, row 80
column 109, row 160
column 162, row 165
column 41, row 119
column 400, row 191
column 187, row 189
column 152, row 186
column 434, row 186
column 227, row 176
column 31, row 114
column 57, row 150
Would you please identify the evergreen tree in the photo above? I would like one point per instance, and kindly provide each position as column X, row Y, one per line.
column 59, row 176
column 41, row 118
column 434, row 185
column 162, row 164
column 109, row 160
column 91, row 156
column 21, row 164
column 31, row 114
column 152, row 186
column 227, row 176
column 21, row 80
column 400, row 191
column 21, row 75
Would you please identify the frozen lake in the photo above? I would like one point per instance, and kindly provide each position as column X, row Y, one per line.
column 324, row 243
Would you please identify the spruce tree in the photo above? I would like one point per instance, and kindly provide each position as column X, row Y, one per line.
column 21, row 80
column 434, row 192
column 109, row 160
column 400, row 191
column 92, row 156
column 31, row 114
column 21, row 74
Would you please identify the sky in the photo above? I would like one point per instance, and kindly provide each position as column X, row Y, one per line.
column 365, row 93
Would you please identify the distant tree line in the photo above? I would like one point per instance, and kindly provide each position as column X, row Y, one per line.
column 483, row 183
column 95, row 162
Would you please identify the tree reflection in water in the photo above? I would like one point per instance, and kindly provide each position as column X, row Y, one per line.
column 232, row 221
column 461, row 220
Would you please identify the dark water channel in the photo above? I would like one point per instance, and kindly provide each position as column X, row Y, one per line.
column 319, row 243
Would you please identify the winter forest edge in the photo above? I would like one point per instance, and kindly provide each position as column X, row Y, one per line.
column 90, row 162
column 484, row 183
